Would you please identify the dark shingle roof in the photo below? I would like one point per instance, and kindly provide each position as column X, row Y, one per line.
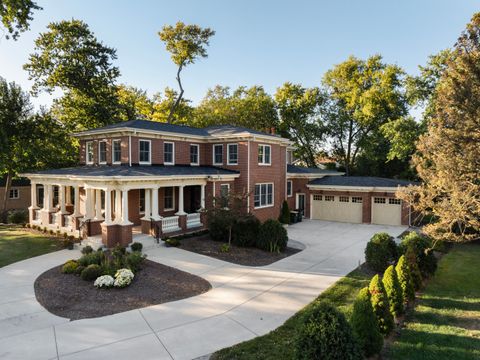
column 140, row 170
column 292, row 169
column 361, row 181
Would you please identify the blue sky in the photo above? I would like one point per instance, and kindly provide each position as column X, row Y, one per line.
column 256, row 43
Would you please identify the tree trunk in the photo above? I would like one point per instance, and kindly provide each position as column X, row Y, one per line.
column 8, row 184
column 180, row 95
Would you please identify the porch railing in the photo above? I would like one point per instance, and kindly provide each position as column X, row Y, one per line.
column 37, row 214
column 170, row 224
column 193, row 220
column 67, row 221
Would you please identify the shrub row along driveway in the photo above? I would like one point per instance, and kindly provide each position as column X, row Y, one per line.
column 244, row 302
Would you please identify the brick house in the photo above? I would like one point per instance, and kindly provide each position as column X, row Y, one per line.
column 138, row 172
column 18, row 197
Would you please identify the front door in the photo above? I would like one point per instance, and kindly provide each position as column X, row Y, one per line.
column 301, row 203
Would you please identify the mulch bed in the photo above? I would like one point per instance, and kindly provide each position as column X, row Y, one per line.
column 69, row 296
column 248, row 256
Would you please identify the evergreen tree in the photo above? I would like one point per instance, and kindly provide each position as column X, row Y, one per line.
column 381, row 305
column 394, row 291
column 405, row 279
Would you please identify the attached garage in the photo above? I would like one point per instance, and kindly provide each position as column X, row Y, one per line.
column 386, row 211
column 336, row 208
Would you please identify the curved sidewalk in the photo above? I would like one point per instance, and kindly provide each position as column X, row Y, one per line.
column 245, row 301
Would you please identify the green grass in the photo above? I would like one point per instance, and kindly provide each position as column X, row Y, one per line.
column 18, row 244
column 446, row 321
column 278, row 344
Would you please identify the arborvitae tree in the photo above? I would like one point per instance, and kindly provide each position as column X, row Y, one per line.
column 412, row 262
column 405, row 279
column 381, row 305
column 394, row 291
column 365, row 325
column 284, row 217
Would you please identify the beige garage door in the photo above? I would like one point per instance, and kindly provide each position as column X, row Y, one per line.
column 337, row 208
column 386, row 211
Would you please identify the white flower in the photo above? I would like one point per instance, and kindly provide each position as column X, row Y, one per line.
column 104, row 281
column 123, row 278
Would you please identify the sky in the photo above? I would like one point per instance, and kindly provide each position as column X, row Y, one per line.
column 262, row 42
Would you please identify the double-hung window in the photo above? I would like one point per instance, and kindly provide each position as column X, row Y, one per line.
column 116, row 151
column 144, row 152
column 89, row 152
column 102, row 152
column 232, row 154
column 264, row 154
column 289, row 188
column 168, row 199
column 218, row 154
column 194, row 154
column 14, row 194
column 169, row 153
column 224, row 191
column 263, row 195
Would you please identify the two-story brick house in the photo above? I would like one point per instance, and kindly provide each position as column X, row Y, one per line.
column 136, row 172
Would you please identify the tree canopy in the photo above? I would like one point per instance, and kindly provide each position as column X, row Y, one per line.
column 16, row 16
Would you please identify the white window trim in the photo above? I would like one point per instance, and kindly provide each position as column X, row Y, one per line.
column 102, row 162
column 263, row 163
column 227, row 185
column 213, row 153
column 113, row 151
column 173, row 153
column 291, row 188
column 273, row 196
column 198, row 154
column 139, row 202
column 87, row 161
column 173, row 199
column 297, row 201
column 15, row 197
column 149, row 162
column 228, row 154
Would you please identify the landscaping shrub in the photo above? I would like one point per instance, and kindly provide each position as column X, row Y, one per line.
column 68, row 244
column 381, row 251
column 326, row 334
column 17, row 217
column 218, row 225
column 70, row 267
column 365, row 325
column 79, row 269
column 394, row 291
column 136, row 246
column 284, row 217
column 412, row 262
column 123, row 278
column 104, row 281
column 245, row 231
column 421, row 245
column 91, row 272
column 92, row 258
column 172, row 242
column 134, row 260
column 87, row 250
column 405, row 279
column 272, row 236
column 381, row 305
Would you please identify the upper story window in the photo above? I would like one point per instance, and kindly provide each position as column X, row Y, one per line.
column 116, row 151
column 289, row 188
column 264, row 154
column 194, row 154
column 102, row 152
column 144, row 152
column 218, row 154
column 89, row 152
column 14, row 194
column 263, row 196
column 232, row 154
column 168, row 153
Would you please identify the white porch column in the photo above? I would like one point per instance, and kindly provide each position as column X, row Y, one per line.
column 125, row 220
column 98, row 204
column 49, row 198
column 202, row 197
column 108, row 207
column 180, row 201
column 118, row 206
column 89, row 204
column 155, row 215
column 148, row 211
column 68, row 195
column 61, row 195
column 76, row 208
column 33, row 189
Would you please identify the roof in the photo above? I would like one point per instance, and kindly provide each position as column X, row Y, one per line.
column 293, row 169
column 360, row 181
column 137, row 171
column 15, row 182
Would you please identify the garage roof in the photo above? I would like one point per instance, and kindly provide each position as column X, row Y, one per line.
column 360, row 181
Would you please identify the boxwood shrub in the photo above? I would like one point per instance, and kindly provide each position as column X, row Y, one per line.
column 17, row 217
column 218, row 225
column 92, row 258
column 91, row 272
column 272, row 236
column 245, row 231
column 381, row 251
column 70, row 267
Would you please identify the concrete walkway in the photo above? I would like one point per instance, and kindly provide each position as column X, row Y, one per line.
column 245, row 301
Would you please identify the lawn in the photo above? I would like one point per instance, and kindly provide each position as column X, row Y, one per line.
column 18, row 244
column 278, row 344
column 446, row 322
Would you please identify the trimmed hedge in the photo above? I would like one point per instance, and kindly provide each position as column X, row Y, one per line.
column 17, row 217
column 381, row 305
column 381, row 251
column 365, row 325
column 245, row 231
column 272, row 236
column 394, row 291
column 405, row 279
column 326, row 334
column 136, row 246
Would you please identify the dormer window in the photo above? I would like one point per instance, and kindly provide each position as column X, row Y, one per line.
column 169, row 153
column 89, row 152
column 144, row 152
column 102, row 152
column 264, row 155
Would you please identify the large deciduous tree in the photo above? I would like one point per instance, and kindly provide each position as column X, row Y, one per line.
column 301, row 111
column 16, row 16
column 365, row 95
column 185, row 43
column 448, row 157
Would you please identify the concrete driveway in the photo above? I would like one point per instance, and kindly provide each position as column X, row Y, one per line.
column 245, row 301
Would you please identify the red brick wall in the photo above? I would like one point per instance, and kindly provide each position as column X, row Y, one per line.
column 299, row 186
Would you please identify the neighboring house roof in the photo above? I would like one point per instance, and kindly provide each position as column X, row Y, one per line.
column 299, row 171
column 15, row 182
column 136, row 171
column 359, row 181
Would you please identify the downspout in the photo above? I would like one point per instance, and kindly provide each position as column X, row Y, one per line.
column 129, row 150
column 248, row 176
